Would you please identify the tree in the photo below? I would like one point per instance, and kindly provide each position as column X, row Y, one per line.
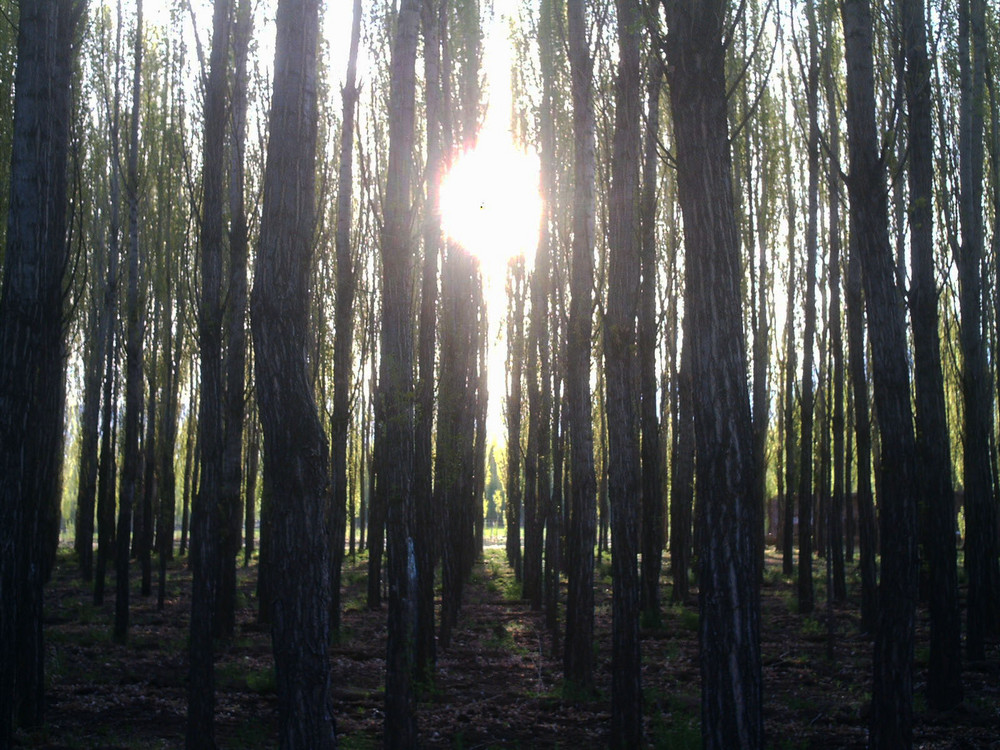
column 579, row 650
column 980, row 505
column 624, row 469
column 294, row 442
column 944, row 678
column 206, row 525
column 32, row 349
column 396, row 384
column 729, row 627
column 892, row 689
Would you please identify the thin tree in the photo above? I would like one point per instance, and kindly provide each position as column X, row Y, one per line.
column 579, row 650
column 31, row 346
column 295, row 460
column 624, row 468
column 729, row 629
column 396, row 384
column 892, row 688
column 133, row 356
column 944, row 675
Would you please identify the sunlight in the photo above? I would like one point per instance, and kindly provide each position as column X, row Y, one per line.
column 490, row 203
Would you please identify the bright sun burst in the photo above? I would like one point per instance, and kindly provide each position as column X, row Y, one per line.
column 490, row 203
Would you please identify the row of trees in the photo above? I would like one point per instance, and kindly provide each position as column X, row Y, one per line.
column 704, row 234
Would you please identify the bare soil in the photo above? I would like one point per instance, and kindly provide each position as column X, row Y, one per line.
column 498, row 686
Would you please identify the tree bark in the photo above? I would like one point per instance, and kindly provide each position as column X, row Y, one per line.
column 32, row 395
column 944, row 675
column 578, row 655
column 295, row 467
column 624, row 469
column 892, row 690
column 728, row 593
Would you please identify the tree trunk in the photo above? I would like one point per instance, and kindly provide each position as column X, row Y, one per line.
column 294, row 441
column 682, row 480
column 515, row 358
column 425, row 540
column 235, row 358
column 396, row 386
column 578, row 655
column 728, row 593
column 791, row 360
column 892, row 689
column 207, row 509
column 31, row 347
column 980, row 507
column 133, row 359
column 652, row 496
column 624, row 469
column 944, row 675
column 806, row 488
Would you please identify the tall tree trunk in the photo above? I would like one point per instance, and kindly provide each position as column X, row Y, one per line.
column 944, row 676
column 806, row 490
column 892, row 689
column 624, row 469
column 235, row 358
column 396, row 385
column 578, row 656
column 97, row 342
column 425, row 539
column 133, row 358
column 791, row 359
column 144, row 525
column 515, row 358
column 31, row 347
column 682, row 479
column 652, row 494
column 207, row 508
column 294, row 441
column 728, row 594
column 980, row 506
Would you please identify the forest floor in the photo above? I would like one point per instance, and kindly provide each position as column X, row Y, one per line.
column 498, row 686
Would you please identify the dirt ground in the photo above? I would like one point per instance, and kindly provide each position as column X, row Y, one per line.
column 499, row 685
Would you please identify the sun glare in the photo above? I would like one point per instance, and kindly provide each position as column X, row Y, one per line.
column 490, row 203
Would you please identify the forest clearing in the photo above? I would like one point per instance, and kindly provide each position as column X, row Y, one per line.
column 498, row 686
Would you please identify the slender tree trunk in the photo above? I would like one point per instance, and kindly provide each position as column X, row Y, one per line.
column 425, row 540
column 624, row 474
column 806, row 489
column 892, row 689
column 235, row 357
column 980, row 506
column 728, row 593
column 144, row 529
column 396, row 386
column 682, row 480
column 32, row 349
column 250, row 516
column 944, row 676
column 791, row 359
column 294, row 441
column 207, row 508
column 578, row 655
column 652, row 496
column 515, row 358
column 133, row 359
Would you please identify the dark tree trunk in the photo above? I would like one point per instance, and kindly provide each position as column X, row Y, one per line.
column 578, row 656
column 250, row 516
column 791, row 359
column 423, row 492
column 867, row 532
column 133, row 360
column 806, row 489
column 190, row 465
column 980, row 505
column 396, row 386
column 97, row 342
column 32, row 349
column 728, row 592
column 892, row 689
column 295, row 445
column 168, row 436
column 208, row 506
column 682, row 479
column 652, row 494
column 624, row 469
column 944, row 675
column 144, row 525
column 235, row 358
column 515, row 357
